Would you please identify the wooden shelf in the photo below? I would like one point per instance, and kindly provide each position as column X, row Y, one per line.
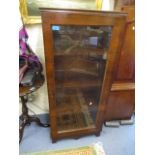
column 77, row 73
column 82, row 52
column 75, row 83
column 77, row 66
column 85, row 32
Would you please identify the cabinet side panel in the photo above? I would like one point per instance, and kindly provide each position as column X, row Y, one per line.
column 126, row 67
column 120, row 105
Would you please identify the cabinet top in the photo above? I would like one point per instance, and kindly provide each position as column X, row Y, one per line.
column 99, row 12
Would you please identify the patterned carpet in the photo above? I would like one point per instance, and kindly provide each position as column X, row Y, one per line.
column 95, row 149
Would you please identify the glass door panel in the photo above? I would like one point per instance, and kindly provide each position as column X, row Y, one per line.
column 80, row 54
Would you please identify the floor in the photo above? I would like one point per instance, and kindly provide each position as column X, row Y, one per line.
column 115, row 141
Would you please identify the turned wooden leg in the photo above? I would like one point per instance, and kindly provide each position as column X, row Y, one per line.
column 23, row 117
column 21, row 130
column 26, row 119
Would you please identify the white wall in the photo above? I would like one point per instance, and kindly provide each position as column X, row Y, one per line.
column 108, row 5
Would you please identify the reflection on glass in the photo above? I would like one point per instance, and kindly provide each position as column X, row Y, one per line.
column 80, row 59
column 69, row 39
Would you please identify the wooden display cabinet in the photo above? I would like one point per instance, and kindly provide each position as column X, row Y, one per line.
column 81, row 53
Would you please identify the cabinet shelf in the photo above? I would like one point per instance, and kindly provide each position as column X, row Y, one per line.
column 83, row 32
column 74, row 72
column 76, row 83
column 77, row 66
column 82, row 52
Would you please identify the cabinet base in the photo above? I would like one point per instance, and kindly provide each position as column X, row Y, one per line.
column 54, row 140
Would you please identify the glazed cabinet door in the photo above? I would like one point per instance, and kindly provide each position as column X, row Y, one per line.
column 80, row 52
column 80, row 56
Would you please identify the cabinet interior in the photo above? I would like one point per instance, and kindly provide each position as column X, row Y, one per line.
column 80, row 55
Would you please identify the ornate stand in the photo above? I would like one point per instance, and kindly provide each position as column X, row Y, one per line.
column 25, row 117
